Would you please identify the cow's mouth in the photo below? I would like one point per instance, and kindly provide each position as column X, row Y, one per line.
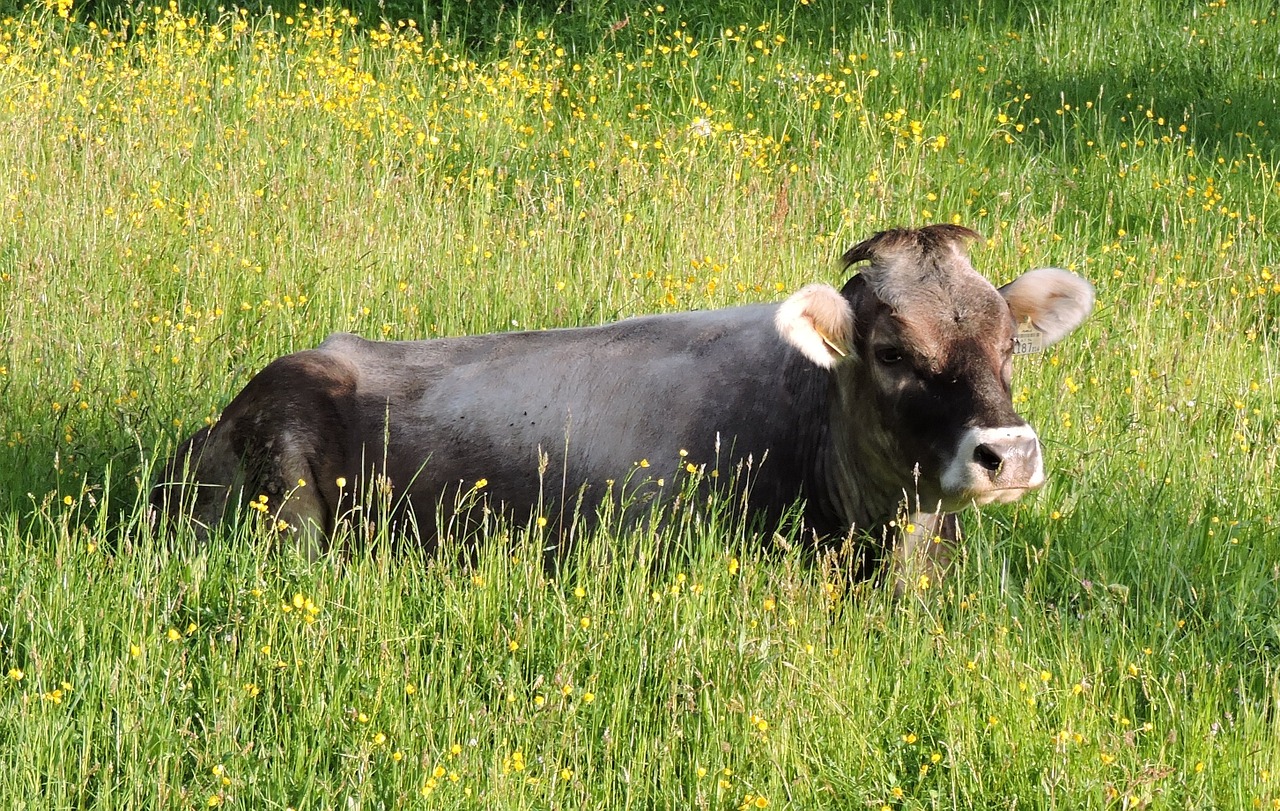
column 945, row 502
column 980, row 494
column 1000, row 495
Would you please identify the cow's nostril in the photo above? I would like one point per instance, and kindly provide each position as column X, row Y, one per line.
column 988, row 458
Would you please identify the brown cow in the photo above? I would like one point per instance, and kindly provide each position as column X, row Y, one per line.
column 891, row 394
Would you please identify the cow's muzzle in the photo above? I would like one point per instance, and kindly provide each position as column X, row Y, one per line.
column 993, row 465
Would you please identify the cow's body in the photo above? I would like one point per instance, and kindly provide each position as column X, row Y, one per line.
column 892, row 392
column 543, row 418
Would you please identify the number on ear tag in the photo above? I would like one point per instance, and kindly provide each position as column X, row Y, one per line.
column 1028, row 340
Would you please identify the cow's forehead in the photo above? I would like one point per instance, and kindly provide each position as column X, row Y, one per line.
column 934, row 298
column 938, row 280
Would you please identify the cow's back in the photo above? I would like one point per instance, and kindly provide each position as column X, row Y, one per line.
column 542, row 418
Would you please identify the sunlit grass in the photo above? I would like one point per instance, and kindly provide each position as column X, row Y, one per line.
column 184, row 198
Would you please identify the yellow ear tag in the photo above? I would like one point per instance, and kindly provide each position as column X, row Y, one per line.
column 832, row 346
column 1028, row 340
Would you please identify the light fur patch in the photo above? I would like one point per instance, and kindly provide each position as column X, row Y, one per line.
column 818, row 321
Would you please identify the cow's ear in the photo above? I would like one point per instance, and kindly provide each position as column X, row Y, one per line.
column 818, row 321
column 1054, row 300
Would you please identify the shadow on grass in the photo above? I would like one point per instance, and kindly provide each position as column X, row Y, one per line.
column 1213, row 87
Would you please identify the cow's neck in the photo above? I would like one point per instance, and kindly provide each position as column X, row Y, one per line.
column 858, row 495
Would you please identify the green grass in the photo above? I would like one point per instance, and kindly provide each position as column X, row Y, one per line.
column 181, row 204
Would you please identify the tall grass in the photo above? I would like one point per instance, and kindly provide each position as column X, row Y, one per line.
column 188, row 196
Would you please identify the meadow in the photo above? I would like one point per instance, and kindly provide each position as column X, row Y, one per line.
column 186, row 194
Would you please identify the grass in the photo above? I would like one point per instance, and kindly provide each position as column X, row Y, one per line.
column 186, row 197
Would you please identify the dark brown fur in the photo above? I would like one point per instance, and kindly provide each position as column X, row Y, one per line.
column 268, row 451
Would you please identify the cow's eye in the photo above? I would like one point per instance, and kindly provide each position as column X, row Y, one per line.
column 889, row 355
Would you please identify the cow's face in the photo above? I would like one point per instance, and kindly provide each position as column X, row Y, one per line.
column 922, row 348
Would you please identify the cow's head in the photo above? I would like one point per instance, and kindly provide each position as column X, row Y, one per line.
column 922, row 348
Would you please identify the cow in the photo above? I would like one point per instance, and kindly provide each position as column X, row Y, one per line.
column 887, row 399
